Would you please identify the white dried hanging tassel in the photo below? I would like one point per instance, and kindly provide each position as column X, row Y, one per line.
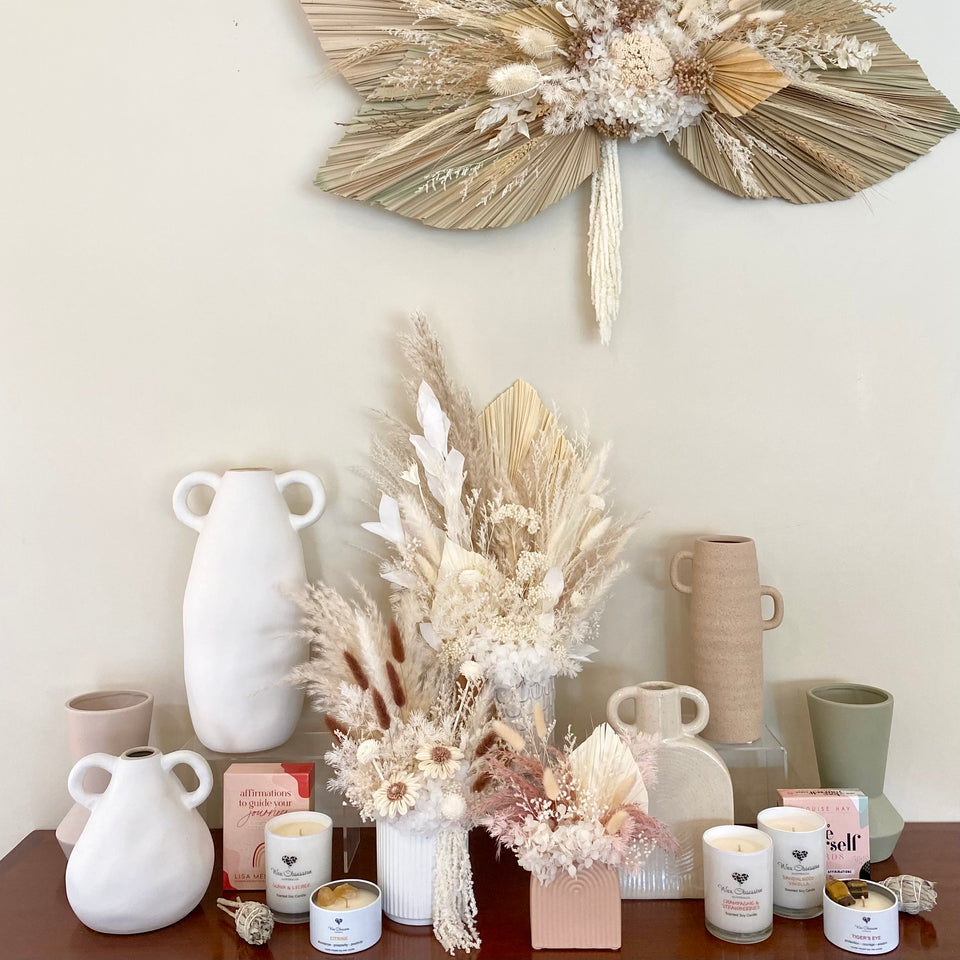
column 454, row 905
column 603, row 245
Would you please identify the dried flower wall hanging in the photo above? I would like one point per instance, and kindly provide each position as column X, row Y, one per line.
column 482, row 113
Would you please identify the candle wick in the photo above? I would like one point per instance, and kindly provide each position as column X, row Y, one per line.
column 739, row 848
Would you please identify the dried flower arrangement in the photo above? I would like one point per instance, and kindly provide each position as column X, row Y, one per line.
column 566, row 810
column 406, row 735
column 482, row 113
column 501, row 547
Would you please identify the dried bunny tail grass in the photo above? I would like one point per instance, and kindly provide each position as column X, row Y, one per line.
column 396, row 687
column 615, row 822
column 360, row 678
column 396, row 643
column 508, row 735
column 334, row 726
column 551, row 788
column 380, row 706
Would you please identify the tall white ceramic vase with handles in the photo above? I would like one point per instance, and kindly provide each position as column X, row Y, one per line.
column 239, row 612
column 145, row 857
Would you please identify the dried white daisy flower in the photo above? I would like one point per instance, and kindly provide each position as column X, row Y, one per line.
column 513, row 79
column 438, row 760
column 535, row 41
column 368, row 751
column 394, row 797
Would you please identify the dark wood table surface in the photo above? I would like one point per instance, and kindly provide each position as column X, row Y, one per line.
column 36, row 920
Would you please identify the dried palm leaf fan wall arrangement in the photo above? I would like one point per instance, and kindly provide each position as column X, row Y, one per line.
column 482, row 113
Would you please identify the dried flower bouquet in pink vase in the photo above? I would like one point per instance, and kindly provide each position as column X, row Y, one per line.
column 573, row 817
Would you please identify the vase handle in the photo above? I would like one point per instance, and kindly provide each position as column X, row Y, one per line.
column 180, row 508
column 629, row 730
column 777, row 616
column 313, row 484
column 692, row 728
column 100, row 761
column 678, row 584
column 200, row 767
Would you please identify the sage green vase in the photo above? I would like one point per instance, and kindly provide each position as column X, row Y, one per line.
column 851, row 733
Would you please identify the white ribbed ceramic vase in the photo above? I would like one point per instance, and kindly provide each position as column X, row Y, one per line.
column 239, row 615
column 405, row 871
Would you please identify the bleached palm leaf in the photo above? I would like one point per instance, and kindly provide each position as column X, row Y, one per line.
column 829, row 138
column 511, row 422
column 604, row 767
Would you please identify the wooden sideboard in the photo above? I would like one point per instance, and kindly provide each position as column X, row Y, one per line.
column 37, row 921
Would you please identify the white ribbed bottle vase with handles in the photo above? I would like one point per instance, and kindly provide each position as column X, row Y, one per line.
column 239, row 615
column 406, row 864
column 692, row 791
column 145, row 857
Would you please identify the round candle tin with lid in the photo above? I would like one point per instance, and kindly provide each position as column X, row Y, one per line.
column 342, row 928
column 871, row 926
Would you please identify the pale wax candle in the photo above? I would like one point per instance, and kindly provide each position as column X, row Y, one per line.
column 799, row 859
column 737, row 883
column 298, row 853
column 299, row 828
column 867, row 926
column 353, row 921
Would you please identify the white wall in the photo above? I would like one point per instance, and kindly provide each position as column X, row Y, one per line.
column 176, row 295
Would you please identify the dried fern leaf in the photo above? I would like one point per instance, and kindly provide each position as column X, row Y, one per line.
column 446, row 177
column 740, row 77
column 829, row 138
column 511, row 422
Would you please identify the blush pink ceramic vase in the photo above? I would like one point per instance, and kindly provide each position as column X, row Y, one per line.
column 576, row 913
column 727, row 626
column 103, row 721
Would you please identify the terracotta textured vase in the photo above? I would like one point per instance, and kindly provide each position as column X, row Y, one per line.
column 851, row 733
column 576, row 913
column 145, row 859
column 727, row 626
column 692, row 791
column 239, row 613
column 104, row 721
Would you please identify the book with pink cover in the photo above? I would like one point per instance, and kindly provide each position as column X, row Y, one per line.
column 253, row 793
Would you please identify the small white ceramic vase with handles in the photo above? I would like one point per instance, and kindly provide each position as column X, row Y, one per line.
column 239, row 615
column 145, row 857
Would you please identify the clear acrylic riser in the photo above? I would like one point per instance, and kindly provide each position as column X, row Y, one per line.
column 758, row 769
column 307, row 746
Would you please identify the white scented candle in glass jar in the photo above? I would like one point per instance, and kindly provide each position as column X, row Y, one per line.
column 298, row 853
column 738, row 883
column 799, row 859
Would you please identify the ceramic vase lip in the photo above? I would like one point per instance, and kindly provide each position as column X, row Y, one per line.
column 250, row 470
column 725, row 539
column 114, row 701
column 139, row 753
column 857, row 695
